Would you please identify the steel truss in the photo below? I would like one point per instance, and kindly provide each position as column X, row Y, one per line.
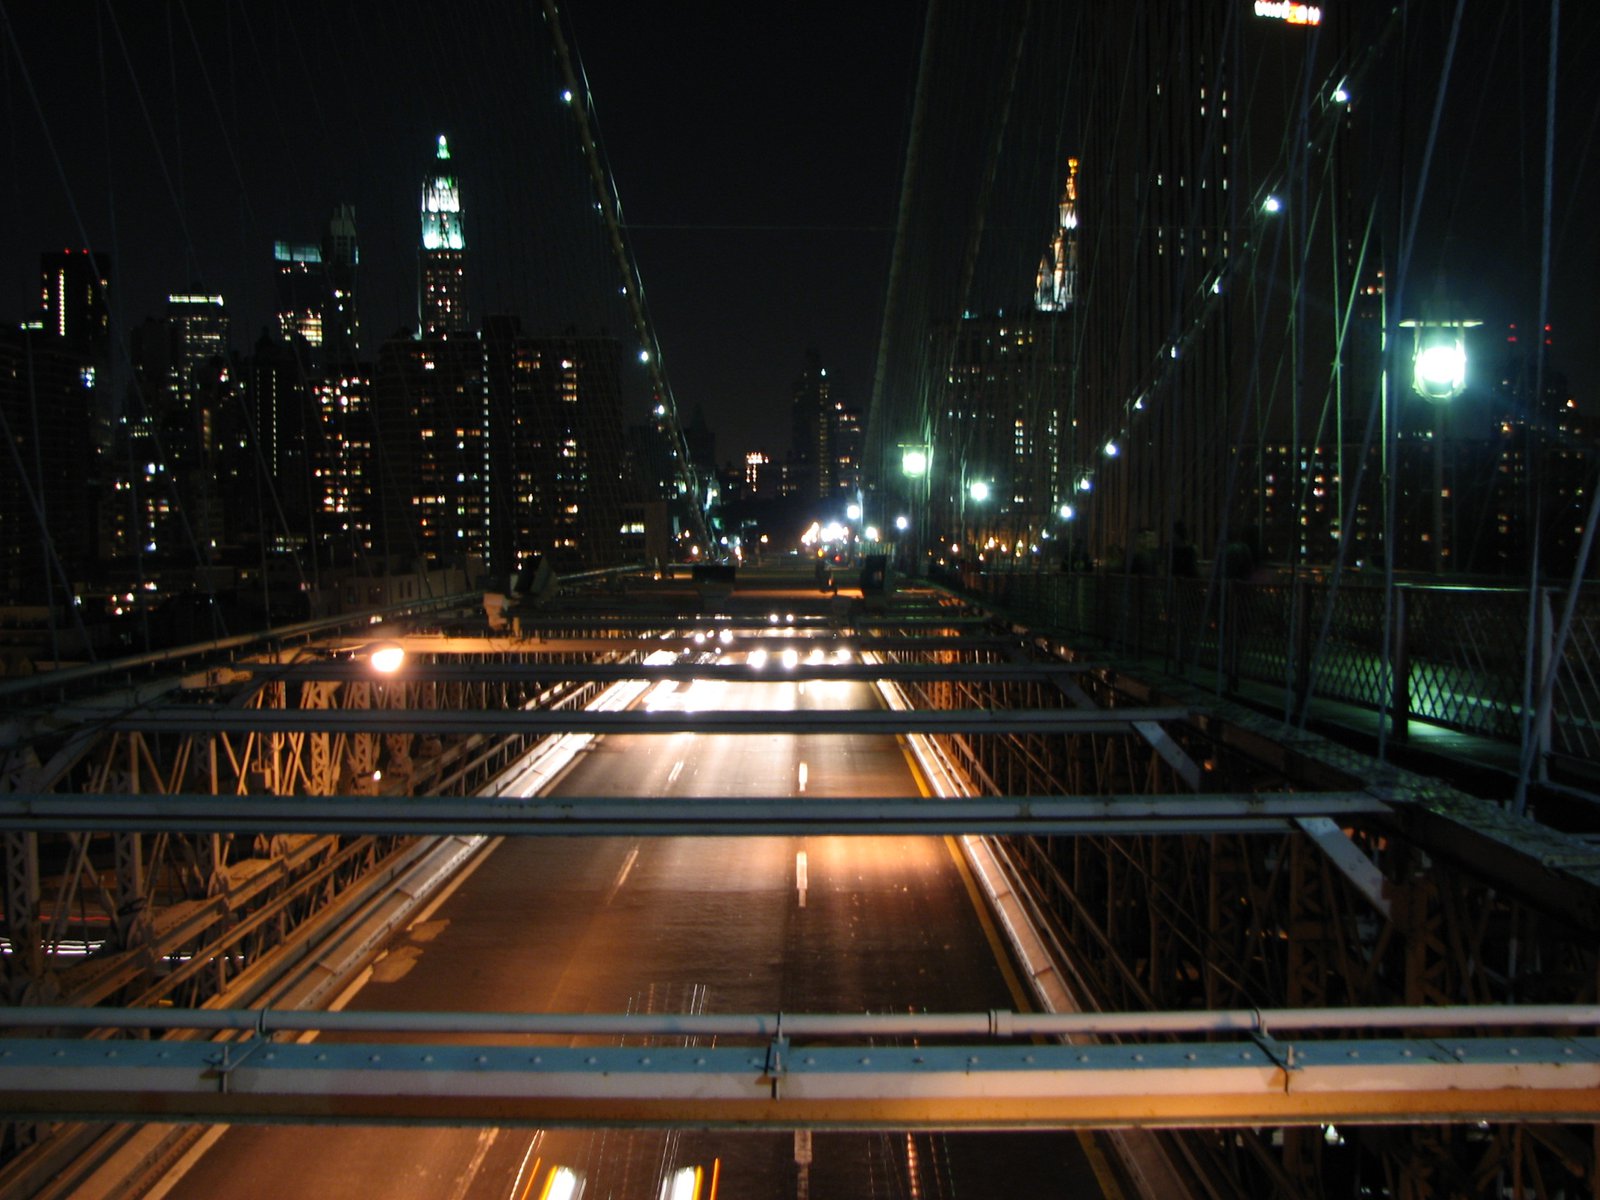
column 1445, row 905
column 96, row 914
column 1354, row 900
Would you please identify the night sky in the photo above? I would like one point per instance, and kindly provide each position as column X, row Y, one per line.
column 756, row 149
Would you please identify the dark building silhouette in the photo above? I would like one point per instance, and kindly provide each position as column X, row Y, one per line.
column 45, row 504
column 562, row 478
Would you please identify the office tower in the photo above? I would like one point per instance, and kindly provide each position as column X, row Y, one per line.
column 561, row 480
column 316, row 290
column 73, row 288
column 341, row 260
column 811, row 427
column 265, row 454
column 169, row 478
column 846, row 441
column 431, row 425
column 301, row 291
column 441, row 299
column 45, row 518
column 343, row 462
column 1222, row 211
column 1056, row 287
column 999, row 415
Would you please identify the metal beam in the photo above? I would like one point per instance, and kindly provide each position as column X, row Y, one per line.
column 202, row 719
column 775, row 640
column 1359, row 870
column 683, row 815
column 738, row 672
column 780, row 1086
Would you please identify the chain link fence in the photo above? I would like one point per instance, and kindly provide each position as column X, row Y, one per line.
column 1457, row 656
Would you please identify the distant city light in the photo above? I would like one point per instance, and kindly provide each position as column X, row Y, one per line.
column 644, row 356
column 1271, row 205
column 853, row 512
column 1290, row 12
column 1111, row 450
column 902, row 523
column 913, row 461
column 1341, row 95
column 1067, row 512
column 979, row 491
column 566, row 95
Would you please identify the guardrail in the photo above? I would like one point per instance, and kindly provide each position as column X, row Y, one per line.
column 1458, row 657
column 128, row 669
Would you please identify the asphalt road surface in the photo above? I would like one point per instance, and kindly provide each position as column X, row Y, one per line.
column 684, row 925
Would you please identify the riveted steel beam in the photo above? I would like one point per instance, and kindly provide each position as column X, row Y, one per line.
column 684, row 815
column 202, row 719
column 782, row 1086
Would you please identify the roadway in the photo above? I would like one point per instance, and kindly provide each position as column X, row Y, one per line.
column 812, row 924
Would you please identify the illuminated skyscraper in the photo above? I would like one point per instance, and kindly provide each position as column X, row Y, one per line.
column 341, row 257
column 301, row 291
column 811, row 434
column 73, row 297
column 442, row 300
column 1057, row 284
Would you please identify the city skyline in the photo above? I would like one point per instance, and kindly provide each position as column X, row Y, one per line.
column 186, row 174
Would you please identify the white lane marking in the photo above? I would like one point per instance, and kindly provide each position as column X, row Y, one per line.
column 517, row 1190
column 800, row 878
column 804, row 773
column 185, row 1164
column 485, row 1140
column 672, row 775
column 622, row 875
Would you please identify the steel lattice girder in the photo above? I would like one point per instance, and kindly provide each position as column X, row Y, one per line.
column 686, row 815
column 206, row 719
column 1195, row 1084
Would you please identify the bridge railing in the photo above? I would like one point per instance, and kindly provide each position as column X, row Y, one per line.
column 1458, row 656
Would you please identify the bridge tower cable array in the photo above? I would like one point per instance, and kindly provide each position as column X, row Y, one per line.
column 578, row 96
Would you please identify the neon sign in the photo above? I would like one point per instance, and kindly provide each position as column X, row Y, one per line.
column 1289, row 12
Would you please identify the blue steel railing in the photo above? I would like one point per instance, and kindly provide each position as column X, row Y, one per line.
column 1458, row 656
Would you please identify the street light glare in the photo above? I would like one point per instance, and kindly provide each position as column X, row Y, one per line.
column 1440, row 371
column 979, row 491
column 387, row 657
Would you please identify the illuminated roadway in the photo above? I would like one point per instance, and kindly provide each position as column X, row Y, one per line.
column 679, row 925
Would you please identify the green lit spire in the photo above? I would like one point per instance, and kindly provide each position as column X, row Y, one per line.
column 444, row 147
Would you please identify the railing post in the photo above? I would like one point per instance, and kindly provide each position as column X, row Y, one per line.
column 1400, row 665
column 1227, row 644
column 1300, row 614
column 1543, row 731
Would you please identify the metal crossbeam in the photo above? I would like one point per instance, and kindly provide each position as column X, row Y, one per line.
column 739, row 672
column 780, row 1086
column 539, row 643
column 685, row 815
column 198, row 719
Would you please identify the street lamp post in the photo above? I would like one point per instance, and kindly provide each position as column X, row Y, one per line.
column 1439, row 375
column 916, row 462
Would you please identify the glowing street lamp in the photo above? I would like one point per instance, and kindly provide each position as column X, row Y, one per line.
column 385, row 657
column 1439, row 357
column 979, row 491
column 915, row 458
